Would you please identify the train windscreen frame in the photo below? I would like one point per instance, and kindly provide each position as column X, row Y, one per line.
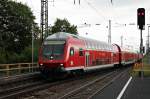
column 53, row 50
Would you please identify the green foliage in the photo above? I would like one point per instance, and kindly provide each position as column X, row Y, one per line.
column 16, row 22
column 24, row 56
column 36, row 31
column 2, row 58
column 27, row 54
column 65, row 26
column 16, row 26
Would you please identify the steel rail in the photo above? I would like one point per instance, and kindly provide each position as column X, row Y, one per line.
column 17, row 78
column 108, row 83
column 80, row 89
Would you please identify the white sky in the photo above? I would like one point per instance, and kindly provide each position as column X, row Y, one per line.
column 99, row 12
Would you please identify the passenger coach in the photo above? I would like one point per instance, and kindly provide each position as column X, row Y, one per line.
column 64, row 52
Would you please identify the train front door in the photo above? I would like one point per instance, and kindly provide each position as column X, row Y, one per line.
column 86, row 59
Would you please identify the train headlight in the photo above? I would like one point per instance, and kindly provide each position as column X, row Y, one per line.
column 41, row 64
column 61, row 64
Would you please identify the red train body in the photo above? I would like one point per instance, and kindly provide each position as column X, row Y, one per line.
column 67, row 52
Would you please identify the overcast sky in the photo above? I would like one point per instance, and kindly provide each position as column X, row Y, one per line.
column 99, row 12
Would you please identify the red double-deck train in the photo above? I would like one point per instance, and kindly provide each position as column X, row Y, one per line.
column 64, row 52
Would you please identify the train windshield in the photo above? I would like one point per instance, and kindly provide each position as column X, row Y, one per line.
column 53, row 50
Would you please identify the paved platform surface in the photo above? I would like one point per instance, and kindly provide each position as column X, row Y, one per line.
column 137, row 88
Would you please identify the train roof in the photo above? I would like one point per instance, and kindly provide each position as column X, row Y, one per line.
column 127, row 49
column 64, row 35
column 90, row 43
column 61, row 35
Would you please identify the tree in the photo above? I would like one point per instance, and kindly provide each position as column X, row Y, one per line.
column 16, row 21
column 36, row 31
column 65, row 26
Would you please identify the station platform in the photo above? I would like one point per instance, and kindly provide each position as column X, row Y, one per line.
column 126, row 87
column 138, row 88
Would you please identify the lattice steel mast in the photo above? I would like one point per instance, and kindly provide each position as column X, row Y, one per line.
column 44, row 19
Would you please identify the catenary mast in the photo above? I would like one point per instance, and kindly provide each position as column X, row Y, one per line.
column 44, row 19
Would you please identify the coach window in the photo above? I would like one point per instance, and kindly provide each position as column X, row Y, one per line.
column 88, row 45
column 95, row 47
column 99, row 46
column 102, row 47
column 80, row 52
column 71, row 51
column 114, row 54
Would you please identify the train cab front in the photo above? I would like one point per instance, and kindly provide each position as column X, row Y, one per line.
column 52, row 56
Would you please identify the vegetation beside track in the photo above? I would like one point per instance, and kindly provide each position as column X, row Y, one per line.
column 142, row 68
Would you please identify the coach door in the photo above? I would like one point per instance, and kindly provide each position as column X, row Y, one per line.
column 86, row 58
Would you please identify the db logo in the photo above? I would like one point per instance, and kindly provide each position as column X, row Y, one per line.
column 71, row 63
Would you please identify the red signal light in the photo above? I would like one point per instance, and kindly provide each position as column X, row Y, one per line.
column 142, row 13
column 139, row 14
column 141, row 18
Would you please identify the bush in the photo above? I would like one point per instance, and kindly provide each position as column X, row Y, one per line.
column 2, row 58
column 24, row 56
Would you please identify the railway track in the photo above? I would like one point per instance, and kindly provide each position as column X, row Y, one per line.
column 91, row 88
column 15, row 87
column 33, row 87
column 18, row 78
column 9, row 87
column 78, row 88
